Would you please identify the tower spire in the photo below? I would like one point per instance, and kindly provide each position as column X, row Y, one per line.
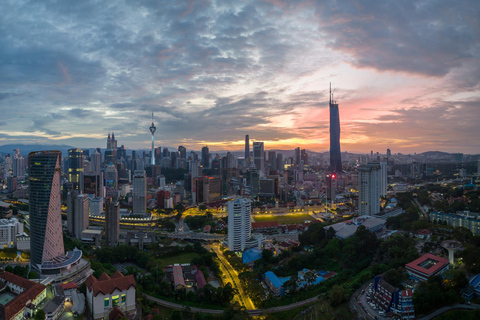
column 330, row 93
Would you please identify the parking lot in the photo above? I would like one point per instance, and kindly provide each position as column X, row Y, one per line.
column 365, row 301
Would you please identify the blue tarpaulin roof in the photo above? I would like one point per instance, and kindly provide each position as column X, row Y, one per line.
column 251, row 255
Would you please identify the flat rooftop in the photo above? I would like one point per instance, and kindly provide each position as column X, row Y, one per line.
column 6, row 298
column 428, row 264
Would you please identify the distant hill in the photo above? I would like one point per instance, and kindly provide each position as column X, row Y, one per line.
column 435, row 153
column 25, row 149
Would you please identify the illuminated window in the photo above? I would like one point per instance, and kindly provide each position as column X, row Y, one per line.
column 124, row 298
column 115, row 301
column 106, row 302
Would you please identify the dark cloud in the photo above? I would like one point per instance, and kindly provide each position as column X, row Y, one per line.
column 425, row 37
column 215, row 70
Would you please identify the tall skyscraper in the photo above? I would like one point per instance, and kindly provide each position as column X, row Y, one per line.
column 46, row 237
column 183, row 152
column 205, row 157
column 247, row 151
column 152, row 131
column 139, row 192
column 239, row 224
column 259, row 157
column 368, row 189
column 297, row 157
column 75, row 168
column 111, row 177
column 111, row 152
column 280, row 165
column 96, row 162
column 335, row 155
column 78, row 207
column 112, row 222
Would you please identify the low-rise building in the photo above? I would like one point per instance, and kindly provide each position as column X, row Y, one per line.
column 426, row 267
column 105, row 293
column 54, row 309
column 467, row 220
column 22, row 298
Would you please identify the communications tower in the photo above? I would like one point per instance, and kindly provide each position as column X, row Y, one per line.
column 152, row 131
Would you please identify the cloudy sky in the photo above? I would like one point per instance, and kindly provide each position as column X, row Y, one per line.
column 405, row 73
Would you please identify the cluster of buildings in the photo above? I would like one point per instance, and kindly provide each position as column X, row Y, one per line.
column 185, row 276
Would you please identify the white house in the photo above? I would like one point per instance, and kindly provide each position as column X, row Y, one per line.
column 105, row 293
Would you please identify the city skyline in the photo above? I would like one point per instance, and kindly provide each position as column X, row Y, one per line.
column 405, row 74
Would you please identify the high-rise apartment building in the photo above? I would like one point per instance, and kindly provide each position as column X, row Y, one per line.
column 139, row 192
column 205, row 157
column 46, row 237
column 383, row 176
column 368, row 189
column 335, row 155
column 78, row 208
column 259, row 157
column 112, row 222
column 18, row 164
column 239, row 225
column 75, row 168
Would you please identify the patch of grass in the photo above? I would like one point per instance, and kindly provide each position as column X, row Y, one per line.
column 180, row 258
column 283, row 219
column 287, row 315
column 189, row 303
column 323, row 310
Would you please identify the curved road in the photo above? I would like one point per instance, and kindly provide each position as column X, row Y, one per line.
column 233, row 277
column 254, row 312
column 448, row 308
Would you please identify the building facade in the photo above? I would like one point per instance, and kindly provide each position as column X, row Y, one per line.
column 368, row 189
column 335, row 154
column 240, row 225
column 470, row 222
column 106, row 293
column 45, row 206
column 75, row 168
column 140, row 192
column 112, row 222
column 259, row 157
column 78, row 209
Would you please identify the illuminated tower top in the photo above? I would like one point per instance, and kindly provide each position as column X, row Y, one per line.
column 152, row 131
column 152, row 127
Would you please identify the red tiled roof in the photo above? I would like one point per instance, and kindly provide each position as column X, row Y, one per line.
column 200, row 278
column 108, row 285
column 32, row 290
column 67, row 286
column 441, row 262
column 104, row 277
column 116, row 314
column 117, row 275
column 266, row 224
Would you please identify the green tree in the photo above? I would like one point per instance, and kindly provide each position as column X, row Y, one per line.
column 337, row 295
column 176, row 315
column 40, row 315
